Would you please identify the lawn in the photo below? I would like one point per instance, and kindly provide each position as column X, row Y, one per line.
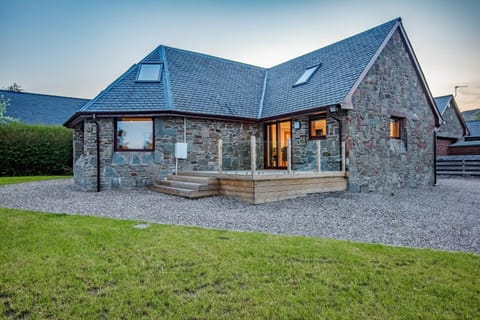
column 76, row 267
column 13, row 180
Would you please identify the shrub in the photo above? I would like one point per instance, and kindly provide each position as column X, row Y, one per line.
column 35, row 150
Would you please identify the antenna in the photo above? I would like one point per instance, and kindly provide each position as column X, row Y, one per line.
column 456, row 87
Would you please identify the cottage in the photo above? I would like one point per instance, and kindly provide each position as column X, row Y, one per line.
column 453, row 128
column 366, row 92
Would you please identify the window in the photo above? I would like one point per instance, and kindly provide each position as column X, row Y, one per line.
column 149, row 72
column 395, row 127
column 318, row 126
column 307, row 74
column 134, row 134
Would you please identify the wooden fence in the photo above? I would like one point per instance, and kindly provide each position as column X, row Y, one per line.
column 458, row 165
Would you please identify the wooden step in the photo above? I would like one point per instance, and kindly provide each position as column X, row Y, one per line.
column 187, row 185
column 194, row 179
column 187, row 193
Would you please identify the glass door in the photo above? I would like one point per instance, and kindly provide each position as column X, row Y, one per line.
column 276, row 140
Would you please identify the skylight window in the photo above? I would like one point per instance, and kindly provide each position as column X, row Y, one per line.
column 307, row 75
column 149, row 72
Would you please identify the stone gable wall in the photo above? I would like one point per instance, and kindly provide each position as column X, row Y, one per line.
column 131, row 169
column 452, row 128
column 375, row 161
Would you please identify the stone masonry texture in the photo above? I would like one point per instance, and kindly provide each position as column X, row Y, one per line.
column 131, row 169
column 452, row 127
column 377, row 162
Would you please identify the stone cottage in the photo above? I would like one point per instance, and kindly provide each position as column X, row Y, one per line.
column 453, row 127
column 366, row 91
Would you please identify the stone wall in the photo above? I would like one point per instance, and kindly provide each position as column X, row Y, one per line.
column 375, row 161
column 305, row 150
column 452, row 127
column 130, row 169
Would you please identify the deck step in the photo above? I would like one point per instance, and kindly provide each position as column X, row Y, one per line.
column 191, row 187
column 187, row 185
column 194, row 179
column 187, row 193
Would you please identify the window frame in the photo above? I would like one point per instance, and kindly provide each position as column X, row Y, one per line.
column 314, row 69
column 115, row 134
column 160, row 70
column 400, row 124
column 320, row 116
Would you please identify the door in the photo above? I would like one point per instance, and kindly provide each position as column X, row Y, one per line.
column 276, row 137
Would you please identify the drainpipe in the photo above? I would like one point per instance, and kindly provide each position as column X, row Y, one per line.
column 435, row 156
column 339, row 127
column 97, row 131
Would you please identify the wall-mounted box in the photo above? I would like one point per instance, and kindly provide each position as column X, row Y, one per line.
column 181, row 150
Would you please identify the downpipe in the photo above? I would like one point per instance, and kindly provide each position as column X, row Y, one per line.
column 97, row 132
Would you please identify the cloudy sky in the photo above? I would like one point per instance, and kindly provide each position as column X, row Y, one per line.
column 77, row 47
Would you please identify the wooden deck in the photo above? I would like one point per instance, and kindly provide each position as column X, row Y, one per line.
column 268, row 186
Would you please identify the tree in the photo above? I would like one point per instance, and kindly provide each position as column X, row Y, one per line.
column 15, row 87
column 4, row 103
column 477, row 116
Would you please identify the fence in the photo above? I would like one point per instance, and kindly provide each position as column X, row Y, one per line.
column 459, row 165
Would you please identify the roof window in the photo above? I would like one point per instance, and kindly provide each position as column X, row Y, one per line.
column 149, row 72
column 307, row 74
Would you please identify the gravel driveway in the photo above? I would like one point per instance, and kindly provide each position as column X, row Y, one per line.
column 443, row 217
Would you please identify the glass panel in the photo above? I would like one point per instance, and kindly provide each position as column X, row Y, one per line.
column 272, row 150
column 395, row 128
column 135, row 134
column 306, row 75
column 277, row 142
column 284, row 135
column 149, row 72
column 318, row 128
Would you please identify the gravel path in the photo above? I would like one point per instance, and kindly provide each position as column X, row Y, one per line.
column 444, row 217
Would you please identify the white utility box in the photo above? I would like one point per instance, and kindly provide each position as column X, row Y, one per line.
column 181, row 150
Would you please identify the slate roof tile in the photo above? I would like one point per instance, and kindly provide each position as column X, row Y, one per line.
column 198, row 83
column 34, row 108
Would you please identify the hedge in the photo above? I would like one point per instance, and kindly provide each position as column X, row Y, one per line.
column 27, row 150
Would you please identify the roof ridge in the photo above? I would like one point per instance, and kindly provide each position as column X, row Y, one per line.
column 214, row 57
column 262, row 98
column 166, row 79
column 42, row 94
column 339, row 41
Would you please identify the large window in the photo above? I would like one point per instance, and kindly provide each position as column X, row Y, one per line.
column 396, row 127
column 134, row 134
column 318, row 126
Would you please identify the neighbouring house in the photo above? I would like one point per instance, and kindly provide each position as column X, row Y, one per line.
column 471, row 145
column 474, row 130
column 471, row 115
column 366, row 92
column 35, row 108
column 453, row 128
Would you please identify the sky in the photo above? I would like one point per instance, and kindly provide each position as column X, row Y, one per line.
column 77, row 48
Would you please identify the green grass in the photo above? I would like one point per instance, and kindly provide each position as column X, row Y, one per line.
column 13, row 180
column 75, row 267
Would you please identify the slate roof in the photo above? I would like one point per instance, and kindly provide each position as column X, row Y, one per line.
column 34, row 108
column 442, row 103
column 341, row 65
column 194, row 83
column 474, row 128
